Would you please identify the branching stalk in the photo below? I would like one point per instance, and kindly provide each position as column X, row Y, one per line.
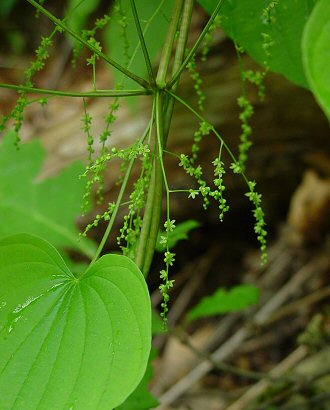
column 163, row 109
column 147, row 219
column 97, row 93
column 156, row 213
column 99, row 53
column 158, row 191
column 150, row 226
column 201, row 118
column 193, row 51
column 115, row 211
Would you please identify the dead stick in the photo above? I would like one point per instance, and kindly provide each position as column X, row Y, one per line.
column 290, row 361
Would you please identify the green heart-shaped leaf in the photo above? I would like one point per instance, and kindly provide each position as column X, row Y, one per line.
column 316, row 53
column 67, row 342
column 270, row 31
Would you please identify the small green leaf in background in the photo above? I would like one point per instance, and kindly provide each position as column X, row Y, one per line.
column 316, row 53
column 5, row 8
column 141, row 398
column 245, row 22
column 78, row 12
column 47, row 208
column 178, row 234
column 154, row 17
column 69, row 343
column 225, row 301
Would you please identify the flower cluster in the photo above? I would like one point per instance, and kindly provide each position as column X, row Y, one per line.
column 203, row 188
column 209, row 37
column 256, row 78
column 217, row 194
column 194, row 74
column 130, row 231
column 89, row 34
column 245, row 143
column 42, row 53
column 169, row 259
column 100, row 217
column 123, row 25
column 267, row 16
column 110, row 118
column 87, row 120
column 197, row 173
column 96, row 44
column 267, row 45
column 259, row 217
column 203, row 130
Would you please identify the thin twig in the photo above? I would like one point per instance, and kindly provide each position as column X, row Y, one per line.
column 143, row 43
column 295, row 388
column 115, row 211
column 184, row 338
column 288, row 363
column 299, row 304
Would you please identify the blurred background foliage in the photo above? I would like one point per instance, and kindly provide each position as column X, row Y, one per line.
column 21, row 33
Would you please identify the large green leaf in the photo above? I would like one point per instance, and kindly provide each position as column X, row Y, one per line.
column 246, row 23
column 154, row 19
column 316, row 53
column 66, row 342
column 223, row 301
column 141, row 398
column 48, row 208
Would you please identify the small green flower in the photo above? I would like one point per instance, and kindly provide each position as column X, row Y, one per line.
column 169, row 258
column 169, row 225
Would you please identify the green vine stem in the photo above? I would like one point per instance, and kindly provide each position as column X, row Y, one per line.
column 159, row 182
column 143, row 43
column 147, row 220
column 121, row 192
column 163, row 109
column 148, row 210
column 155, row 208
column 115, row 211
column 152, row 212
column 183, row 35
column 193, row 51
column 168, row 47
column 96, row 51
column 97, row 93
column 178, row 58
